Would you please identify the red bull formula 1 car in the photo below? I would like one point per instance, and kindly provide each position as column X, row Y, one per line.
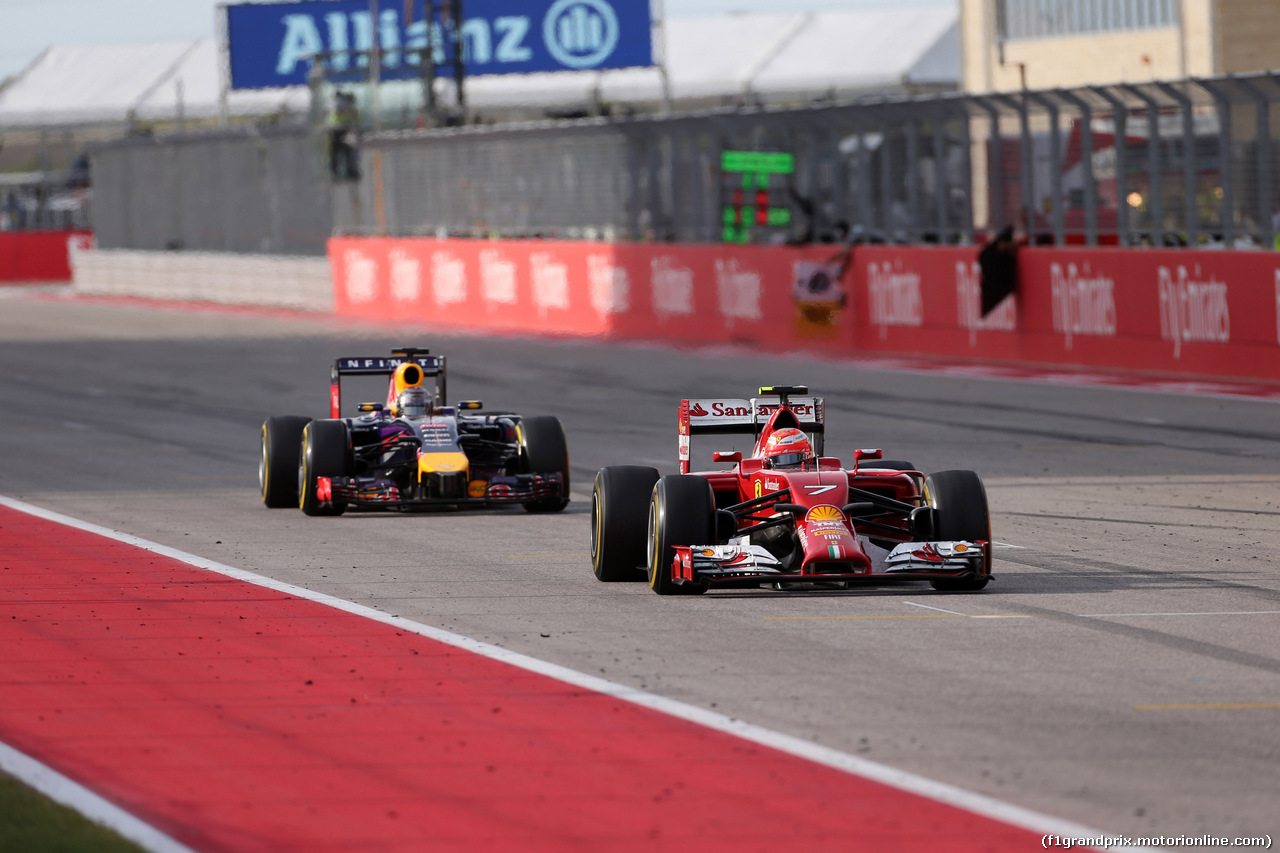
column 412, row 452
column 786, row 516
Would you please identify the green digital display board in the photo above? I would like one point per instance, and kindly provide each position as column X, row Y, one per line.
column 748, row 192
column 759, row 162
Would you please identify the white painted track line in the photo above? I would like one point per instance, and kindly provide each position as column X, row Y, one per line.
column 59, row 788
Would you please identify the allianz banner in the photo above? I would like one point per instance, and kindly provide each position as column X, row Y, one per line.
column 271, row 44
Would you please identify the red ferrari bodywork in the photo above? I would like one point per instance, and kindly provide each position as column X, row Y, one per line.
column 839, row 514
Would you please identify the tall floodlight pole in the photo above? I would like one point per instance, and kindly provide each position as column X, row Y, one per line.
column 426, row 59
column 224, row 66
column 459, row 46
column 428, row 66
column 657, row 12
column 375, row 67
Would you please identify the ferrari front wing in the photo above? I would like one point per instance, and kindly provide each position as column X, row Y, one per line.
column 748, row 565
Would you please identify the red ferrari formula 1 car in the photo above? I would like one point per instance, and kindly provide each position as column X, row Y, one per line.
column 787, row 516
column 412, row 452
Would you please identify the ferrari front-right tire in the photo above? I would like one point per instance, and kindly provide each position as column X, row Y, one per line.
column 682, row 511
column 960, row 512
column 619, row 521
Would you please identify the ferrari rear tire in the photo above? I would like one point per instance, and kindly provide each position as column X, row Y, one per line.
column 891, row 465
column 619, row 513
column 960, row 511
column 326, row 452
column 546, row 451
column 682, row 511
column 278, row 467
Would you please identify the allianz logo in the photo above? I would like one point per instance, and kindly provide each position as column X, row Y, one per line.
column 1192, row 309
column 1084, row 302
column 580, row 33
column 577, row 34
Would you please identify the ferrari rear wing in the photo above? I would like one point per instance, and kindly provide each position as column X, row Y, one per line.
column 432, row 366
column 721, row 416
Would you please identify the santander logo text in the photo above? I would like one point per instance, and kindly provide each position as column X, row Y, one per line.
column 894, row 296
column 742, row 409
column 1191, row 309
column 1084, row 302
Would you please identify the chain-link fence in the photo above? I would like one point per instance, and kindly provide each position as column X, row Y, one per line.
column 260, row 191
column 1170, row 163
column 1183, row 163
column 44, row 201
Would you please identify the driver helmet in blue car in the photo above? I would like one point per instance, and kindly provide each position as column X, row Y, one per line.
column 413, row 402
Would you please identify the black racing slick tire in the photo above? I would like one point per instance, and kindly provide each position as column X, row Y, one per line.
column 682, row 511
column 326, row 452
column 619, row 521
column 890, row 465
column 278, row 467
column 546, row 451
column 959, row 503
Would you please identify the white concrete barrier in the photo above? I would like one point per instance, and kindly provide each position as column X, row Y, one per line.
column 278, row 281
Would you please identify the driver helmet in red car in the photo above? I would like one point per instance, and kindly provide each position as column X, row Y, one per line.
column 788, row 448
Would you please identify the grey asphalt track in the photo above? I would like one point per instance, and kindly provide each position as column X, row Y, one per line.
column 1124, row 672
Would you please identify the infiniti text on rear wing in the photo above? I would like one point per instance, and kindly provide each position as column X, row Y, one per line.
column 745, row 417
column 432, row 366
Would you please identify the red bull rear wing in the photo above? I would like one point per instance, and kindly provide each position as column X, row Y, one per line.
column 380, row 365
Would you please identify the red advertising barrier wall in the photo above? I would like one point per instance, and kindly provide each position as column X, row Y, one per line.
column 666, row 292
column 36, row 255
column 1182, row 312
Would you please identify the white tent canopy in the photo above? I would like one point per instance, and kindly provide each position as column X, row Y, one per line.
column 110, row 84
column 755, row 57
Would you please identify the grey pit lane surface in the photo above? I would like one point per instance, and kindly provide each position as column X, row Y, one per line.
column 1092, row 695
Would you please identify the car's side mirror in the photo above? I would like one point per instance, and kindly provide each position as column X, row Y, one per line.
column 859, row 456
column 470, row 405
column 369, row 407
column 727, row 456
